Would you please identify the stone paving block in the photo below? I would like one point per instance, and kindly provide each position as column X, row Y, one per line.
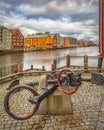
column 87, row 103
column 100, row 126
column 97, row 78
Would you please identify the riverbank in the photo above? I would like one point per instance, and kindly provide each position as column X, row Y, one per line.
column 4, row 52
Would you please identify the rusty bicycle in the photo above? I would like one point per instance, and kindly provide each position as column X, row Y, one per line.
column 22, row 101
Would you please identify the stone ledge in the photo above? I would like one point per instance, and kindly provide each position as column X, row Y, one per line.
column 97, row 78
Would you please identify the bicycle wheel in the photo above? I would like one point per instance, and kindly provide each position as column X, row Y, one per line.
column 65, row 86
column 16, row 102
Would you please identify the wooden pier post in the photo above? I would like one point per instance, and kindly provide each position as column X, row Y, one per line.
column 31, row 67
column 43, row 68
column 85, row 63
column 53, row 66
column 19, row 67
column 55, row 63
column 100, row 59
column 0, row 72
column 68, row 61
column 15, row 68
column 103, row 63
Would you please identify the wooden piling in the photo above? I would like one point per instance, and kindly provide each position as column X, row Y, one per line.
column 53, row 66
column 100, row 60
column 19, row 67
column 43, row 68
column 31, row 67
column 68, row 61
column 55, row 63
column 85, row 63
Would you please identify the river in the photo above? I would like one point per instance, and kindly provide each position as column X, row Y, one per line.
column 45, row 58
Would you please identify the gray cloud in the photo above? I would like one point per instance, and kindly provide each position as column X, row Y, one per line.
column 68, row 17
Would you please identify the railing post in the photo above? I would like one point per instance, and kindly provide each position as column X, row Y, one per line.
column 85, row 63
column 0, row 72
column 68, row 61
column 31, row 67
column 15, row 69
column 54, row 65
column 43, row 68
column 100, row 59
column 19, row 67
column 55, row 62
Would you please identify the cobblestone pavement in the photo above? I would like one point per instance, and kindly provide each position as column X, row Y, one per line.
column 88, row 111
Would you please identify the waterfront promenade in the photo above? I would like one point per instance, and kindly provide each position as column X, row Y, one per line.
column 88, row 111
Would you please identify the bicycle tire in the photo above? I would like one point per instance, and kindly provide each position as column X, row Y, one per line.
column 6, row 102
column 59, row 83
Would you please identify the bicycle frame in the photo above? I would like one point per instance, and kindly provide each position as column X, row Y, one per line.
column 72, row 79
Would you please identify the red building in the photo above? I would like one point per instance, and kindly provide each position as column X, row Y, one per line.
column 81, row 42
column 101, row 27
column 17, row 40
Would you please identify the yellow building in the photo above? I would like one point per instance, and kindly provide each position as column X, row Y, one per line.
column 40, row 41
column 28, row 41
column 47, row 41
column 67, row 41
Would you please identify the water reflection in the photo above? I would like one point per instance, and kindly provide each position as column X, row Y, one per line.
column 39, row 59
column 8, row 63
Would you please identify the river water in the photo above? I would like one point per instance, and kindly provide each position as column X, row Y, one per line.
column 45, row 58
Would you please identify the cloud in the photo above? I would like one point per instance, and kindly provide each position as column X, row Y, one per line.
column 78, row 18
column 4, row 5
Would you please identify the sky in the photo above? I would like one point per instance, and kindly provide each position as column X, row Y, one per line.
column 74, row 18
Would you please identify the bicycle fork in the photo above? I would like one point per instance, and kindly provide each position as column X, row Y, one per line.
column 44, row 92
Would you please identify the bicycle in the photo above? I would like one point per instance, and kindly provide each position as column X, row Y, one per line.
column 22, row 101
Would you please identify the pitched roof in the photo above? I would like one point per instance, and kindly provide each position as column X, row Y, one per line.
column 36, row 36
column 13, row 30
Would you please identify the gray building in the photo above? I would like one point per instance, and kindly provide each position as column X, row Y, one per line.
column 73, row 42
column 5, row 38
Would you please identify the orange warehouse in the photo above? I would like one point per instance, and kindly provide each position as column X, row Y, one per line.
column 41, row 41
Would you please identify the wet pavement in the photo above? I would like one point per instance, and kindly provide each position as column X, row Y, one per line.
column 88, row 111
